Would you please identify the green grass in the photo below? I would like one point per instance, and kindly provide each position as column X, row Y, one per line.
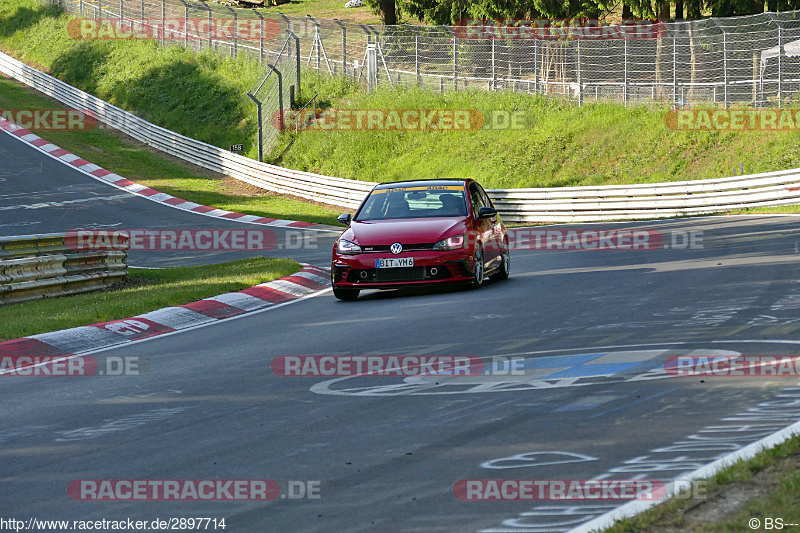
column 149, row 290
column 327, row 9
column 563, row 145
column 780, row 501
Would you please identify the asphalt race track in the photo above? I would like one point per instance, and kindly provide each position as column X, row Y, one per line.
column 39, row 194
column 592, row 329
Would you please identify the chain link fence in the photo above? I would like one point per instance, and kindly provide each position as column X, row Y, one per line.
column 274, row 93
column 752, row 60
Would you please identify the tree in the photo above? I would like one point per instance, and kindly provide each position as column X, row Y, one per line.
column 387, row 9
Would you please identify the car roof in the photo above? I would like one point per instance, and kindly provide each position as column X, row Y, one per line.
column 421, row 183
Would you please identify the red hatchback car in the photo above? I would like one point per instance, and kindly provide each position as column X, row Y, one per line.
column 420, row 232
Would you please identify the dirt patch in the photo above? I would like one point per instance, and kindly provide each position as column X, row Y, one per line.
column 721, row 505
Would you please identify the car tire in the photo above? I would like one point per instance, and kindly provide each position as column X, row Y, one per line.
column 504, row 268
column 477, row 275
column 346, row 294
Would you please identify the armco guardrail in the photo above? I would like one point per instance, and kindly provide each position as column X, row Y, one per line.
column 39, row 266
column 567, row 204
column 613, row 202
column 335, row 191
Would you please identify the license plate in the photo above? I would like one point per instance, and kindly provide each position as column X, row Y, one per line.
column 392, row 262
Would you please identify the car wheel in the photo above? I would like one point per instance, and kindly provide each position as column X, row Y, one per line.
column 346, row 294
column 477, row 279
column 504, row 268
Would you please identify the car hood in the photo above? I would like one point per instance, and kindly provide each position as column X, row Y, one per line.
column 405, row 231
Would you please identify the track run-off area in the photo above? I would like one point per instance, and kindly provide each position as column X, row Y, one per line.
column 591, row 331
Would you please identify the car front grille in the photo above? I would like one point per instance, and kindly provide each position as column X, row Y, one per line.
column 406, row 247
column 392, row 275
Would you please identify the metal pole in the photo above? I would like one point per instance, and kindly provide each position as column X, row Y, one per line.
column 780, row 69
column 625, row 71
column 260, row 134
column 121, row 9
column 210, row 26
column 580, row 88
column 317, row 39
column 297, row 59
column 260, row 36
column 163, row 20
column 234, row 50
column 674, row 68
column 100, row 8
column 344, row 44
column 416, row 59
column 80, row 6
column 725, row 65
column 494, row 69
column 535, row 66
column 455, row 62
column 142, row 10
column 185, row 24
column 288, row 22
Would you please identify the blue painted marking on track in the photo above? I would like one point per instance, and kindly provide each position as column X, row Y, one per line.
column 559, row 361
column 583, row 371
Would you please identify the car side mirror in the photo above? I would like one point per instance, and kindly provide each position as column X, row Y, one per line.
column 486, row 212
column 344, row 219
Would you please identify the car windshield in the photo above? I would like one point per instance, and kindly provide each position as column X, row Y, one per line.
column 414, row 202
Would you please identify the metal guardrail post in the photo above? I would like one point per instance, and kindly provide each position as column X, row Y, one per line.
column 121, row 9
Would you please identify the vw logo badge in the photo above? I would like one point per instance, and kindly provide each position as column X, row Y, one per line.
column 396, row 248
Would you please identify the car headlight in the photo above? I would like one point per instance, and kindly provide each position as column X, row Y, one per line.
column 347, row 247
column 451, row 243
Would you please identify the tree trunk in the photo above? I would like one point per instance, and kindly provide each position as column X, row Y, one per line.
column 663, row 11
column 678, row 9
column 627, row 14
column 388, row 12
